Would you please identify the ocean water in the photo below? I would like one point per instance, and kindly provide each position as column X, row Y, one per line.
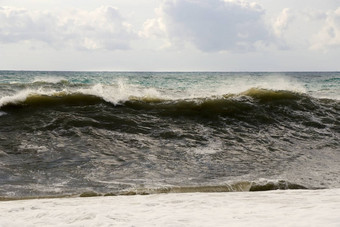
column 117, row 133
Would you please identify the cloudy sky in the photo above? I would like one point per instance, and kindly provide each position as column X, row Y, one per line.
column 170, row 35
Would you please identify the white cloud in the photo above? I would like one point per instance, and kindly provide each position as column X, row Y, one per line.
column 329, row 36
column 210, row 25
column 153, row 28
column 102, row 28
column 282, row 21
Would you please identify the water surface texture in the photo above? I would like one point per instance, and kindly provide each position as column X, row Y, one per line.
column 69, row 133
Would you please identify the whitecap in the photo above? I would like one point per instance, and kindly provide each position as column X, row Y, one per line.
column 49, row 79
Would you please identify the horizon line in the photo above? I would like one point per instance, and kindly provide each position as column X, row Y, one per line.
column 171, row 71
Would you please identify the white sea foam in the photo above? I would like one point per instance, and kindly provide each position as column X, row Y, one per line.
column 116, row 93
column 122, row 90
column 237, row 85
column 274, row 208
column 213, row 145
column 335, row 94
column 25, row 146
column 49, row 79
column 22, row 95
column 18, row 97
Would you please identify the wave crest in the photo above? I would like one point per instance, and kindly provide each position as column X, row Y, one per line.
column 98, row 94
column 271, row 95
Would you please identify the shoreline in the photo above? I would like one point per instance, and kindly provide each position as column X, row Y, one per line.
column 239, row 186
column 265, row 208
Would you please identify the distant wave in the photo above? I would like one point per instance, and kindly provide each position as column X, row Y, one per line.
column 50, row 80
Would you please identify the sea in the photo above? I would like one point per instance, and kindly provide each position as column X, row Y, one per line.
column 84, row 134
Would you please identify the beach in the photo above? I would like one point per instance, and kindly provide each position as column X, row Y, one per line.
column 271, row 208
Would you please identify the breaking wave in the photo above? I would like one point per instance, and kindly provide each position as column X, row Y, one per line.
column 260, row 103
column 93, row 96
column 90, row 135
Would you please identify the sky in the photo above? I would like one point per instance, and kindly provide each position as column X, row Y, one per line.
column 170, row 35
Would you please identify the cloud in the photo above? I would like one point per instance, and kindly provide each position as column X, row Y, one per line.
column 210, row 25
column 102, row 28
column 282, row 21
column 329, row 35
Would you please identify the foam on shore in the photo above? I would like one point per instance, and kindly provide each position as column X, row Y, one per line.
column 274, row 208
